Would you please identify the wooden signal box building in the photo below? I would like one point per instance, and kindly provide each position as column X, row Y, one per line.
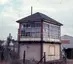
column 37, row 34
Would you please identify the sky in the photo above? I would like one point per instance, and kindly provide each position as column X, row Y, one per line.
column 13, row 10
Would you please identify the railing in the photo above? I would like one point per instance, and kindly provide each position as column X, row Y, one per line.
column 42, row 59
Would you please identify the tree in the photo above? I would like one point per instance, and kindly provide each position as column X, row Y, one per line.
column 1, row 41
column 9, row 39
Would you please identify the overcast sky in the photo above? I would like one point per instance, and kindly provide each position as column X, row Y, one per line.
column 12, row 10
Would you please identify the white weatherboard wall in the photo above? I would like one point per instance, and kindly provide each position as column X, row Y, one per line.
column 32, row 51
column 52, row 53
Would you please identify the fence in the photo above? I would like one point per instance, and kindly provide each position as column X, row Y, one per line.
column 43, row 61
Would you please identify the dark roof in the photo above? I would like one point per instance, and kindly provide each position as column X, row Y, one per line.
column 39, row 17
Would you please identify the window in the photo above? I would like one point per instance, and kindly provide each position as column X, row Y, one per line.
column 35, row 34
column 37, row 24
column 27, row 34
column 54, row 31
column 26, row 25
column 32, row 24
column 22, row 32
column 30, row 34
column 31, row 29
column 51, row 50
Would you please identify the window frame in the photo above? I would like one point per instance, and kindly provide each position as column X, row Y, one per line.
column 50, row 50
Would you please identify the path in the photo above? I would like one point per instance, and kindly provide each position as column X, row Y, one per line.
column 3, row 62
column 69, row 61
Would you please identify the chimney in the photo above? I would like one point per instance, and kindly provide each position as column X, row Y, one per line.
column 31, row 10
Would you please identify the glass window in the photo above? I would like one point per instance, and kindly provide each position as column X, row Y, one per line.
column 24, row 25
column 33, row 31
column 54, row 31
column 27, row 34
column 37, row 24
column 32, row 24
column 31, row 34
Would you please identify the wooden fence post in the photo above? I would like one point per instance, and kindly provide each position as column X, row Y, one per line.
column 24, row 58
column 44, row 57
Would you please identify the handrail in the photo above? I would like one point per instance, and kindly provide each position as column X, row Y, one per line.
column 42, row 59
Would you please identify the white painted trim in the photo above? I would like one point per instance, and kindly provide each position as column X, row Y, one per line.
column 30, row 39
column 50, row 39
column 39, row 39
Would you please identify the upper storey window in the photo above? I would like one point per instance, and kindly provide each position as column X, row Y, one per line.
column 31, row 29
column 32, row 24
column 54, row 31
